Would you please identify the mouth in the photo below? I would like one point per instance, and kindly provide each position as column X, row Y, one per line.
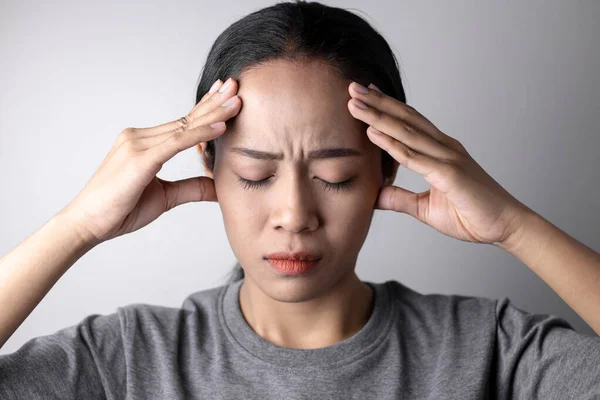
column 297, row 256
column 298, row 263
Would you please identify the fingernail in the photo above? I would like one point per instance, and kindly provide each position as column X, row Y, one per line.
column 361, row 88
column 228, row 102
column 215, row 86
column 360, row 104
column 225, row 86
column 375, row 130
column 375, row 87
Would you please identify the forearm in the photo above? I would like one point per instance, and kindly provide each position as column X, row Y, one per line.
column 569, row 267
column 32, row 268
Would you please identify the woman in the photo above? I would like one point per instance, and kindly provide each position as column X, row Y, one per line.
column 316, row 127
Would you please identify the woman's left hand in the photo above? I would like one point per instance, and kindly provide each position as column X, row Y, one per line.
column 463, row 201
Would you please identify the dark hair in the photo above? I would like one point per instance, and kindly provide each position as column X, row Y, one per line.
column 302, row 31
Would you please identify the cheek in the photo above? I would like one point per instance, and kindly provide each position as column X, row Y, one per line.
column 240, row 221
column 350, row 215
column 348, row 218
column 348, row 211
column 237, row 212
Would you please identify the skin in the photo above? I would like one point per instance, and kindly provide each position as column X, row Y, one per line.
column 466, row 203
column 463, row 202
column 293, row 109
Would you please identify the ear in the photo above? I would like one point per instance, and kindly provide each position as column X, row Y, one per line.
column 201, row 148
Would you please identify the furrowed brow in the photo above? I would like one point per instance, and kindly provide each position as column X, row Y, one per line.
column 315, row 154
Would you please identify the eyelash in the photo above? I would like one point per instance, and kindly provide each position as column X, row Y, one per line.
column 251, row 185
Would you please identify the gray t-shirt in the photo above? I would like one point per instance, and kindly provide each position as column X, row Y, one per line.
column 414, row 346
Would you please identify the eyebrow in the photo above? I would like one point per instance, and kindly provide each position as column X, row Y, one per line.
column 315, row 154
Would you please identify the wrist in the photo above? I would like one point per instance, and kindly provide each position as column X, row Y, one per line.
column 84, row 239
column 518, row 227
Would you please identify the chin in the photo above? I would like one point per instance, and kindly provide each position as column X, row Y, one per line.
column 297, row 288
column 292, row 292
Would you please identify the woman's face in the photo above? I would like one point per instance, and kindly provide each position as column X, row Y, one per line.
column 292, row 111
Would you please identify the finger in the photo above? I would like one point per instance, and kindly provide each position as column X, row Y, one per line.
column 438, row 134
column 379, row 100
column 402, row 131
column 215, row 86
column 179, row 138
column 224, row 92
column 372, row 86
column 199, row 188
column 136, row 134
column 198, row 127
column 401, row 200
column 202, row 107
column 407, row 157
column 174, row 143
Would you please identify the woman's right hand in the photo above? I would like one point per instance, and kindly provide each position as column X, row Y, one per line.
column 125, row 194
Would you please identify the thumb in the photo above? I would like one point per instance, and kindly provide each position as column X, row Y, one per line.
column 401, row 200
column 198, row 188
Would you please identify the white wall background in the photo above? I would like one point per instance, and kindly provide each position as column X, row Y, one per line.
column 516, row 82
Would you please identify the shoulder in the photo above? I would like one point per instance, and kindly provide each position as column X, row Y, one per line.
column 443, row 331
column 443, row 321
column 519, row 329
column 513, row 319
column 442, row 307
column 198, row 309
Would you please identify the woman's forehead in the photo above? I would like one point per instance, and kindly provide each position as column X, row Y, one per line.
column 291, row 102
column 310, row 78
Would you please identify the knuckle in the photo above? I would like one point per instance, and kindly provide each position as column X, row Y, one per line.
column 214, row 99
column 452, row 171
column 410, row 110
column 128, row 132
column 454, row 141
column 179, row 130
column 407, row 112
column 458, row 144
column 376, row 94
column 377, row 114
column 210, row 100
column 183, row 122
column 176, row 136
column 410, row 129
column 125, row 135
column 377, row 99
column 409, row 163
column 393, row 198
column 411, row 153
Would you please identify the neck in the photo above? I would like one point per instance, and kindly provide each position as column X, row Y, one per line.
column 319, row 322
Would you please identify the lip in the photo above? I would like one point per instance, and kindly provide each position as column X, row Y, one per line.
column 298, row 263
column 297, row 256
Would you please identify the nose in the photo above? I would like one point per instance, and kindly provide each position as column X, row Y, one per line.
column 295, row 209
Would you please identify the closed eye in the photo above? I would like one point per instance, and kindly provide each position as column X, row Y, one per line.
column 337, row 186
